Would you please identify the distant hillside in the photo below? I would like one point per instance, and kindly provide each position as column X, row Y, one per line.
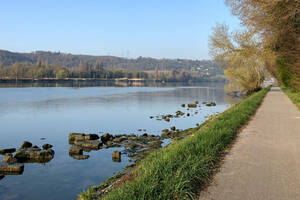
column 109, row 62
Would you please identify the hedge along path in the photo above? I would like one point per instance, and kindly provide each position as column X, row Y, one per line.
column 177, row 171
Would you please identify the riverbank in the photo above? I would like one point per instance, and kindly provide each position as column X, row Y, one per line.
column 67, row 80
column 177, row 171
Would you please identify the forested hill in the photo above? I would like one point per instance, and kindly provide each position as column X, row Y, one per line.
column 8, row 58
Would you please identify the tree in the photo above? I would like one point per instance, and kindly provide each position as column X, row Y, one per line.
column 39, row 62
column 241, row 55
column 99, row 68
column 277, row 22
column 1, row 70
column 63, row 73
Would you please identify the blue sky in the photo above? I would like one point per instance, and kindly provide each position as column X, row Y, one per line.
column 148, row 28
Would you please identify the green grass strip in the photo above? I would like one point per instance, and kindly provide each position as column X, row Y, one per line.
column 293, row 95
column 180, row 169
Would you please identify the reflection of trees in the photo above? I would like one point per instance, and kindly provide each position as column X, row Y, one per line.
column 230, row 100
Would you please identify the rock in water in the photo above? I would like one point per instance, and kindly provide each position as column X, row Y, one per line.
column 8, row 158
column 34, row 156
column 119, row 140
column 192, row 105
column 155, row 144
column 82, row 137
column 116, row 156
column 106, row 137
column 76, row 137
column 1, row 176
column 4, row 151
column 93, row 144
column 47, row 146
column 173, row 128
column 26, row 144
column 75, row 150
column 35, row 148
column 211, row 104
column 91, row 137
column 79, row 157
column 11, row 169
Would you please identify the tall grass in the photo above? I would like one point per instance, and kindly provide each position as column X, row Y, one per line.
column 294, row 95
column 179, row 170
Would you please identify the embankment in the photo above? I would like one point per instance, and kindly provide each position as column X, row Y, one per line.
column 177, row 171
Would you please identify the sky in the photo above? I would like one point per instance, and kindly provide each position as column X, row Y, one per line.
column 126, row 28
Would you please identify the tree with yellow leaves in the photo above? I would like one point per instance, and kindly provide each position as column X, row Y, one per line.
column 277, row 22
column 242, row 56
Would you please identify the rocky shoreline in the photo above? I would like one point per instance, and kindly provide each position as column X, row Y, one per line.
column 134, row 146
column 13, row 160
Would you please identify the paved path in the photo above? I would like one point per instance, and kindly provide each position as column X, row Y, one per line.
column 264, row 162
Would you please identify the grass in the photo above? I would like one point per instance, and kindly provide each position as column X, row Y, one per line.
column 293, row 95
column 184, row 166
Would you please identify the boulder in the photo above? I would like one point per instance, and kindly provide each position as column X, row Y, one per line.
column 173, row 128
column 4, row 151
column 91, row 137
column 196, row 102
column 26, row 144
column 179, row 113
column 81, row 137
column 165, row 131
column 116, row 156
column 75, row 150
column 192, row 105
column 145, row 135
column 183, row 105
column 79, row 157
column 93, row 144
column 47, row 146
column 11, row 169
column 109, row 144
column 119, row 139
column 211, row 104
column 35, row 147
column 106, row 137
column 76, row 137
column 132, row 135
column 8, row 158
column 1, row 176
column 188, row 114
column 34, row 156
column 155, row 144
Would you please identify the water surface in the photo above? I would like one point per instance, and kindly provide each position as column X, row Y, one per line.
column 31, row 113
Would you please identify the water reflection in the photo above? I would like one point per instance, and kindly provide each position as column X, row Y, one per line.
column 78, row 84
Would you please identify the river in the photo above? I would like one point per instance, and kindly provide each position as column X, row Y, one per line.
column 32, row 112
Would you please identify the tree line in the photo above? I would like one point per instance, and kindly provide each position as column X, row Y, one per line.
column 268, row 44
column 43, row 70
